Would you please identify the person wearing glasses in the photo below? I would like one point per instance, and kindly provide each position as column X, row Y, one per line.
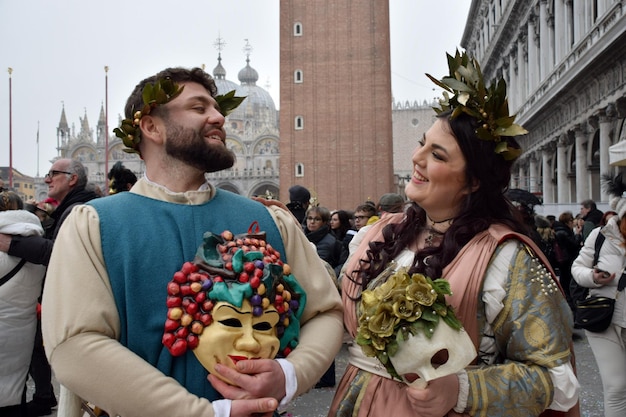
column 317, row 230
column 362, row 214
column 388, row 203
column 66, row 184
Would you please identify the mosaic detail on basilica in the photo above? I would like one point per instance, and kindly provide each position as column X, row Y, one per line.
column 266, row 146
column 234, row 146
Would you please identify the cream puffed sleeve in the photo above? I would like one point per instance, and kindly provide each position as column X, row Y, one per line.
column 81, row 330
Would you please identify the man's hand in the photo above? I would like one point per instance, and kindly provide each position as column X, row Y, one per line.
column 262, row 407
column 253, row 378
column 269, row 203
column 437, row 399
column 5, row 242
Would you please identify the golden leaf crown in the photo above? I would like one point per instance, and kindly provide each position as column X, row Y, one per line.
column 162, row 91
column 488, row 105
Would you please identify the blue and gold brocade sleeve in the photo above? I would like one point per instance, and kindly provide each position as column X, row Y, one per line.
column 533, row 333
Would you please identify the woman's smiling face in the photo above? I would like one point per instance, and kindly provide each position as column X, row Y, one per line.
column 439, row 182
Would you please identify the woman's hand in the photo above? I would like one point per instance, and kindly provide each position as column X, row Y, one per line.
column 601, row 277
column 437, row 399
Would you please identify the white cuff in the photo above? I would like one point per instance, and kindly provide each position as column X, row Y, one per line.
column 221, row 408
column 291, row 382
column 461, row 401
column 566, row 387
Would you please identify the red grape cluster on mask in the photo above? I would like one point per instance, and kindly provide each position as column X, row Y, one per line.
column 229, row 268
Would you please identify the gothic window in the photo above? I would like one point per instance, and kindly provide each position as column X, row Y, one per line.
column 299, row 123
column 297, row 76
column 297, row 29
column 299, row 169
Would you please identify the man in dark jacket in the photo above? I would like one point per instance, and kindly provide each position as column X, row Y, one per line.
column 568, row 248
column 66, row 184
column 299, row 200
column 329, row 249
column 591, row 215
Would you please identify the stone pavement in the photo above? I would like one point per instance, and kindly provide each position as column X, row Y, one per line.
column 315, row 403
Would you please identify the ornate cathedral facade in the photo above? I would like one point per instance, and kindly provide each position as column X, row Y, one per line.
column 252, row 134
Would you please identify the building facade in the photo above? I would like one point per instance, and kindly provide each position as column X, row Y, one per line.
column 411, row 120
column 335, row 100
column 23, row 185
column 251, row 133
column 89, row 147
column 564, row 62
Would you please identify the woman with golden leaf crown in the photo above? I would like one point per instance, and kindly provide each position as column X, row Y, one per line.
column 458, row 257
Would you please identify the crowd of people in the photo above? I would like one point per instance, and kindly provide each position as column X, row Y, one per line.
column 142, row 284
column 67, row 187
column 587, row 267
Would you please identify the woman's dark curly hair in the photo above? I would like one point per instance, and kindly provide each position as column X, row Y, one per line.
column 481, row 208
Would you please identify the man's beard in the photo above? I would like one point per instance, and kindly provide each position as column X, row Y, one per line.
column 190, row 146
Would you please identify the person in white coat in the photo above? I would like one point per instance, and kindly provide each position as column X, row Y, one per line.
column 18, row 306
column 603, row 279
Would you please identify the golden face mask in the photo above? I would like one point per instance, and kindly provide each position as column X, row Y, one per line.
column 236, row 334
column 236, row 301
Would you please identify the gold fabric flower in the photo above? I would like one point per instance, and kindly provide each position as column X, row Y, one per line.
column 421, row 291
column 384, row 321
column 401, row 304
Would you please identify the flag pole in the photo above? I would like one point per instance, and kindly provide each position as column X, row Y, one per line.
column 106, row 129
column 10, row 130
column 37, row 148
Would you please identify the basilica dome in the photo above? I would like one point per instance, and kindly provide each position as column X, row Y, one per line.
column 219, row 75
column 258, row 104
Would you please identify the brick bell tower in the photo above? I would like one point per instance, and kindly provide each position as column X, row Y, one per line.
column 335, row 100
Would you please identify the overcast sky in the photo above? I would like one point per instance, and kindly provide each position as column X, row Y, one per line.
column 58, row 51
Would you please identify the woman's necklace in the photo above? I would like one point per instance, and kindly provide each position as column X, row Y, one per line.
column 433, row 231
